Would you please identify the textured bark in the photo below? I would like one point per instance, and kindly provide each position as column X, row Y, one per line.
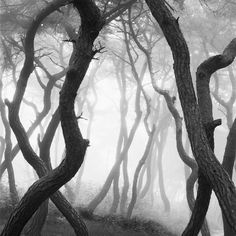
column 23, row 141
column 228, row 164
column 90, row 107
column 187, row 170
column 185, row 158
column 208, row 165
column 229, row 156
column 204, row 72
column 36, row 223
column 75, row 144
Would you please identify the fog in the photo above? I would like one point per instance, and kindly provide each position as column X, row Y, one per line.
column 109, row 88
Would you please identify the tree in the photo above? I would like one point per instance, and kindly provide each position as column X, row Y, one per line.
column 76, row 146
column 198, row 117
column 209, row 166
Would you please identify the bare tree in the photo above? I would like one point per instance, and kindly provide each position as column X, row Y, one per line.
column 208, row 165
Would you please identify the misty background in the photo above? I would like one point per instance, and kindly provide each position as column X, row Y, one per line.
column 107, row 104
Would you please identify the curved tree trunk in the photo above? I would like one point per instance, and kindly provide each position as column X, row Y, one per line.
column 35, row 224
column 136, row 174
column 75, row 144
column 160, row 147
column 182, row 153
column 228, row 164
column 90, row 108
column 151, row 172
column 146, row 170
column 207, row 162
column 98, row 199
column 40, row 116
column 204, row 72
column 11, row 176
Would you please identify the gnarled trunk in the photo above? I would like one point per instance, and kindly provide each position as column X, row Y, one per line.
column 208, row 165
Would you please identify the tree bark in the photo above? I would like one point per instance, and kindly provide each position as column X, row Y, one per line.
column 204, row 72
column 208, row 165
column 75, row 144
column 228, row 164
column 35, row 224
column 185, row 158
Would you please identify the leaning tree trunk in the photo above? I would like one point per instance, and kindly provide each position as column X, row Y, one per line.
column 22, row 137
column 101, row 195
column 11, row 176
column 137, row 171
column 36, row 223
column 208, row 164
column 204, row 72
column 183, row 155
column 160, row 147
column 116, row 167
column 121, row 81
column 228, row 164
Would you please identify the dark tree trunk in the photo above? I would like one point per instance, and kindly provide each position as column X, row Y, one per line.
column 75, row 144
column 183, row 155
column 90, row 108
column 228, row 164
column 204, row 72
column 35, row 225
column 207, row 162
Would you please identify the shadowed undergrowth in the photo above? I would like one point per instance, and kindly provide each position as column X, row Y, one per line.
column 56, row 224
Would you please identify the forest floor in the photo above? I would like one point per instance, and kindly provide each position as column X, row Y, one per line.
column 56, row 225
